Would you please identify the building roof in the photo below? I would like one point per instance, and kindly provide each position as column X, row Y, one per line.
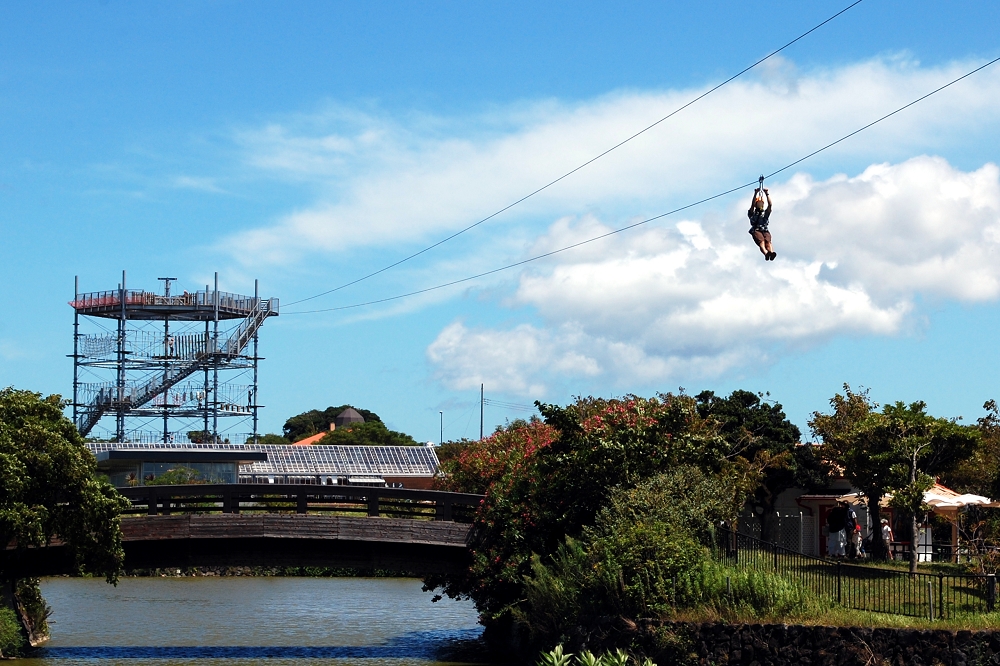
column 312, row 439
column 349, row 415
column 417, row 461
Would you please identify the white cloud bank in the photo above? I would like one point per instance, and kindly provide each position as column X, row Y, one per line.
column 382, row 181
column 696, row 298
column 685, row 299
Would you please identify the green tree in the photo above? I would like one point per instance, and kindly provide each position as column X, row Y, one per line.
column 865, row 461
column 316, row 421
column 49, row 487
column 980, row 473
column 369, row 433
column 271, row 438
column 755, row 430
column 898, row 450
column 925, row 447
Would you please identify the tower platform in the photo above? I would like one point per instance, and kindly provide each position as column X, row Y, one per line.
column 147, row 305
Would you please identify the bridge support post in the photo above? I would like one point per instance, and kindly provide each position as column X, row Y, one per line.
column 373, row 506
column 230, row 501
column 151, row 501
column 442, row 511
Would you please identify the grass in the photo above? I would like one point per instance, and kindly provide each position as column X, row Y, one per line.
column 841, row 617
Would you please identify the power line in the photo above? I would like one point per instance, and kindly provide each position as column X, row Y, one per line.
column 650, row 219
column 585, row 164
column 508, row 405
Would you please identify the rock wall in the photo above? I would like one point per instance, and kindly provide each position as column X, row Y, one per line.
column 780, row 645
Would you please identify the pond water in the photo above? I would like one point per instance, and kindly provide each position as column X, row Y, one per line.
column 279, row 621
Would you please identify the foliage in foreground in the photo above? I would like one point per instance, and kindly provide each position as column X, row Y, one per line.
column 547, row 480
column 49, row 487
column 12, row 643
column 646, row 557
column 558, row 657
column 544, row 481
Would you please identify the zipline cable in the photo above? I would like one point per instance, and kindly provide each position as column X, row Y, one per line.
column 585, row 164
column 650, row 219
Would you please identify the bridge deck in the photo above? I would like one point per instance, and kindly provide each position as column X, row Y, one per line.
column 294, row 526
column 270, row 540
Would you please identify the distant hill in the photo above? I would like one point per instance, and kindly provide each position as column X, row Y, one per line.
column 370, row 433
column 315, row 421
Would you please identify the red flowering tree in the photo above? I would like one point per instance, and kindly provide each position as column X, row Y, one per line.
column 547, row 480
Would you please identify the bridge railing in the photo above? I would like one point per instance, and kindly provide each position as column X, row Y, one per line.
column 295, row 498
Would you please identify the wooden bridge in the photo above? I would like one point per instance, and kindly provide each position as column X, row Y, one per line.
column 418, row 531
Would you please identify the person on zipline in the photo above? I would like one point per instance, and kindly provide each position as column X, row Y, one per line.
column 758, row 222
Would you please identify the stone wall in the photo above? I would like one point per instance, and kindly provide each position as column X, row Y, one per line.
column 780, row 645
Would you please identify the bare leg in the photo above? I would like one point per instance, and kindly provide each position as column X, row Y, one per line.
column 764, row 247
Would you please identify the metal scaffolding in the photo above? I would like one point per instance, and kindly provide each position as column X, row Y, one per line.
column 162, row 362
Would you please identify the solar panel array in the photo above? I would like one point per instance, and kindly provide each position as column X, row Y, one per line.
column 286, row 459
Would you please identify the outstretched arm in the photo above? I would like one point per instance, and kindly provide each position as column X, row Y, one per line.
column 768, row 195
column 753, row 199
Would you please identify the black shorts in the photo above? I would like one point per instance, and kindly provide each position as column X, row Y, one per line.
column 760, row 235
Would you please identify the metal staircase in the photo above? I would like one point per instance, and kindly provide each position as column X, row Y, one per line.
column 110, row 400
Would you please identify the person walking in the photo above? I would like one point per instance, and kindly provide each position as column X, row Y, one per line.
column 887, row 537
column 852, row 531
column 836, row 522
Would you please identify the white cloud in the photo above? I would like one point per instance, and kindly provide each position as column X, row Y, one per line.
column 385, row 181
column 511, row 361
column 696, row 297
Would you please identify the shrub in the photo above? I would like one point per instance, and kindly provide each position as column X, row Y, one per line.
column 647, row 555
column 11, row 639
column 547, row 480
column 29, row 595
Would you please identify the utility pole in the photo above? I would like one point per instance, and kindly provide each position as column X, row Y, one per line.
column 482, row 400
column 441, row 438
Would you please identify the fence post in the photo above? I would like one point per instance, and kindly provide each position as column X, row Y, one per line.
column 373, row 505
column 838, row 582
column 991, row 592
column 930, row 601
column 941, row 610
column 729, row 588
column 775, row 547
column 802, row 531
column 301, row 504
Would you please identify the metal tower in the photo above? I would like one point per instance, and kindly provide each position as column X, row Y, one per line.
column 160, row 366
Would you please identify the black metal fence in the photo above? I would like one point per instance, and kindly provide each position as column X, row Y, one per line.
column 294, row 498
column 864, row 587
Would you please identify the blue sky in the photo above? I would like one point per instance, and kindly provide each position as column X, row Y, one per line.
column 306, row 144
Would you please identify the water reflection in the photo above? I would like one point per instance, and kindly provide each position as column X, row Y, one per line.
column 230, row 621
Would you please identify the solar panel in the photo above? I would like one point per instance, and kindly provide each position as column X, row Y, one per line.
column 318, row 459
